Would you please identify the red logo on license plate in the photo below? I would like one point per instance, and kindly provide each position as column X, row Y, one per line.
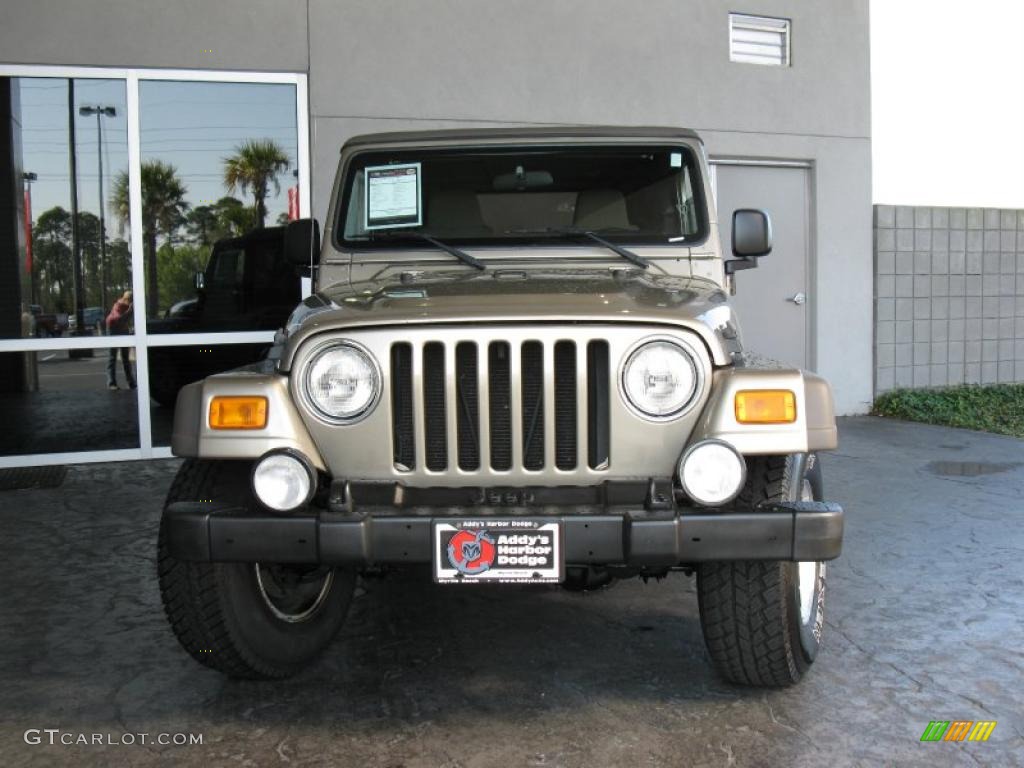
column 471, row 553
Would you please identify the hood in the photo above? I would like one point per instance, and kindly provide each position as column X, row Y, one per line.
column 522, row 296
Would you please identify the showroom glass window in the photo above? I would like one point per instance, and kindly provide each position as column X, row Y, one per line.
column 140, row 246
column 219, row 170
column 65, row 261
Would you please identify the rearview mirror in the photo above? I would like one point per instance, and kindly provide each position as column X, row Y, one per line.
column 302, row 243
column 522, row 180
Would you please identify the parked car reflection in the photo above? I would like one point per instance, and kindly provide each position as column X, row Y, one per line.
column 246, row 286
column 47, row 324
column 92, row 319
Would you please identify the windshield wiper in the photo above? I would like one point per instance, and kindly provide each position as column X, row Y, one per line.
column 625, row 253
column 461, row 255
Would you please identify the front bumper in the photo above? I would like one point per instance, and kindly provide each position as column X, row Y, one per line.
column 799, row 530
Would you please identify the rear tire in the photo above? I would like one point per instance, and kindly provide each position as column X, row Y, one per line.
column 164, row 380
column 762, row 620
column 586, row 578
column 246, row 620
column 165, row 392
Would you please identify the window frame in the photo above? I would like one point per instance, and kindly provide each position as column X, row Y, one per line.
column 140, row 339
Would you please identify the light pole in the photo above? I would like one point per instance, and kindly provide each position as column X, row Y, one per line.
column 28, row 177
column 101, row 112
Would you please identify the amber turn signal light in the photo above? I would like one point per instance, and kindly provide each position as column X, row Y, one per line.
column 238, row 412
column 765, row 406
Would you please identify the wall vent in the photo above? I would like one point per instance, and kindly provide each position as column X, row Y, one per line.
column 759, row 40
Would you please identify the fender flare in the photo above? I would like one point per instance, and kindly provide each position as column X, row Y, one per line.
column 192, row 436
column 813, row 430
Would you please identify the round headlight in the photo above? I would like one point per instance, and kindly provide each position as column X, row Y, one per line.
column 660, row 379
column 712, row 472
column 342, row 382
column 282, row 482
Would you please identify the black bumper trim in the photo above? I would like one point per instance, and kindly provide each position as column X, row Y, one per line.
column 781, row 531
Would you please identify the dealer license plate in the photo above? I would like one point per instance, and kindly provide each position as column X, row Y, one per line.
column 503, row 551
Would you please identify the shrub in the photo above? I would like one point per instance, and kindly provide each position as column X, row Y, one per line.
column 997, row 408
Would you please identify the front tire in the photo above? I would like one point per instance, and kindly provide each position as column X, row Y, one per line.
column 762, row 620
column 247, row 620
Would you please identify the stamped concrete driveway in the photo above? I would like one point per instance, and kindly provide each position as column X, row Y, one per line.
column 925, row 622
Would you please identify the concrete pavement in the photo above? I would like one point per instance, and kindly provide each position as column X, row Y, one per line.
column 925, row 618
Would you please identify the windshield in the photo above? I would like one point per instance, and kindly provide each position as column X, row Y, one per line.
column 630, row 195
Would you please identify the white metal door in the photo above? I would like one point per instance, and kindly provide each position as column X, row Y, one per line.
column 773, row 301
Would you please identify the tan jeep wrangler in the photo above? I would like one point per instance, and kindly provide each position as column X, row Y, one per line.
column 519, row 366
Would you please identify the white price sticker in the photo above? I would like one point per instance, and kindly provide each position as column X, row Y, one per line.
column 393, row 196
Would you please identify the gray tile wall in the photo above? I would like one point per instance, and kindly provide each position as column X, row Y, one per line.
column 949, row 296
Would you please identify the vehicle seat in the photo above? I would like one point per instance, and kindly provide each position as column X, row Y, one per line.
column 598, row 209
column 457, row 213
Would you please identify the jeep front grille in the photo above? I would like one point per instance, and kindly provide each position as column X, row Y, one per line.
column 534, row 405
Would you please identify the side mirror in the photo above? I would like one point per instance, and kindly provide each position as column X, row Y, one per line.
column 199, row 281
column 751, row 233
column 751, row 238
column 302, row 244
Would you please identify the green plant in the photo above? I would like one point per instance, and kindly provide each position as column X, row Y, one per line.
column 163, row 211
column 254, row 167
column 995, row 408
column 177, row 265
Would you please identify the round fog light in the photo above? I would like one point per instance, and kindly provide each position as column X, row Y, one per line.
column 712, row 472
column 282, row 482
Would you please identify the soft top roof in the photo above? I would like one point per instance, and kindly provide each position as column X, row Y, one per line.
column 524, row 133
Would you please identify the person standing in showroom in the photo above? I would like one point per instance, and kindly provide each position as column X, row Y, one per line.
column 119, row 324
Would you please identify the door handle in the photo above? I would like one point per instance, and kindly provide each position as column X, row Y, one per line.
column 799, row 299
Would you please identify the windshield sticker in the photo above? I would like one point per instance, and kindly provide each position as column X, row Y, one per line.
column 393, row 197
column 677, row 159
